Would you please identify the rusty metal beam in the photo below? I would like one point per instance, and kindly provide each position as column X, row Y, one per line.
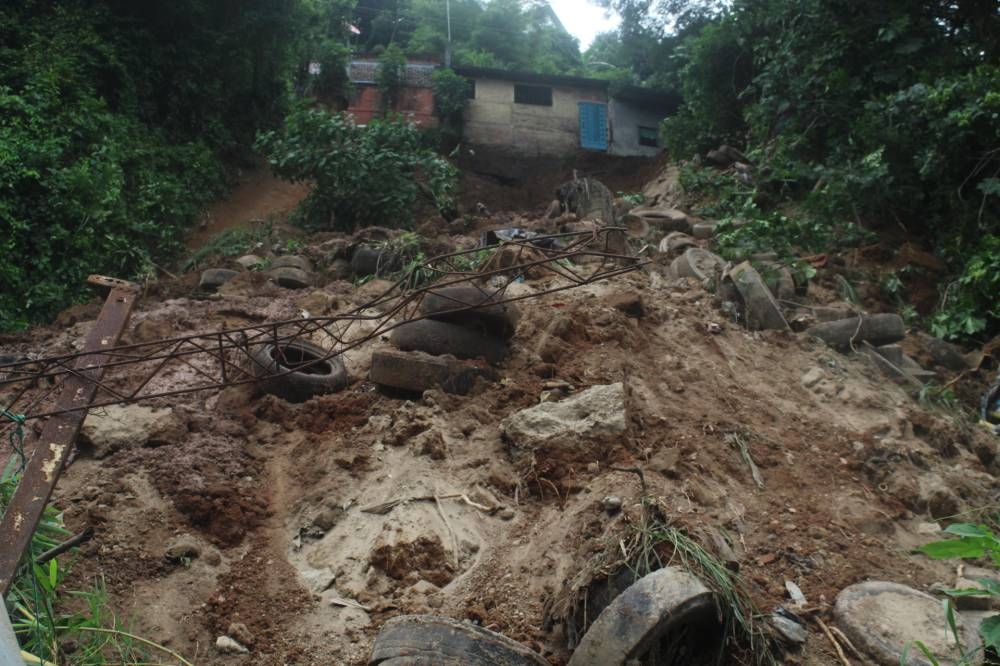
column 51, row 448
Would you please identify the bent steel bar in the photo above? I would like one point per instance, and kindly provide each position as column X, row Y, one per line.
column 53, row 445
column 221, row 358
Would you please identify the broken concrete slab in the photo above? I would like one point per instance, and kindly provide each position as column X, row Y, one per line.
column 597, row 413
column 417, row 371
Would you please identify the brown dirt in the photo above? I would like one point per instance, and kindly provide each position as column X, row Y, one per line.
column 258, row 195
column 272, row 493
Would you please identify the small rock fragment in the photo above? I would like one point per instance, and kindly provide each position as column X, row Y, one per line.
column 789, row 630
column 612, row 504
column 227, row 645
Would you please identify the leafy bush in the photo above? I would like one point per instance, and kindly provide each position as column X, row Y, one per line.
column 115, row 118
column 970, row 302
column 973, row 541
column 450, row 94
column 361, row 175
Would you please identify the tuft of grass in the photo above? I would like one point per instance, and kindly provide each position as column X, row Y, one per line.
column 232, row 243
column 652, row 543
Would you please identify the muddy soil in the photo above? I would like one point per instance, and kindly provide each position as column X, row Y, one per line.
column 299, row 529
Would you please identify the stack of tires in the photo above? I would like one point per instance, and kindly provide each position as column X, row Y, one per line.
column 458, row 323
column 464, row 321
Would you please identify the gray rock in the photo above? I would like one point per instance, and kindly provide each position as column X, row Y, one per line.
column 883, row 618
column 594, row 414
column 789, row 630
column 119, row 427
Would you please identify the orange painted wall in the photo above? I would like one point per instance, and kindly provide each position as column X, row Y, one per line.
column 417, row 104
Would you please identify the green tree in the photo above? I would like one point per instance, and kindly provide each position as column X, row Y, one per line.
column 391, row 76
column 361, row 175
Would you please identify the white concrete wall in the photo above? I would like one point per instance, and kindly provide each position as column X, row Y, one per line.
column 625, row 119
column 494, row 119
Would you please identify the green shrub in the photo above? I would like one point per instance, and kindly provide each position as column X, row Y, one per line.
column 450, row 94
column 361, row 175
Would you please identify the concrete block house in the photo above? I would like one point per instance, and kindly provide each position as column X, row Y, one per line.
column 543, row 115
column 526, row 114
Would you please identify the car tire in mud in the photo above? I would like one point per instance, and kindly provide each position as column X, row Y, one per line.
column 213, row 278
column 309, row 371
column 439, row 338
column 697, row 263
column 428, row 640
column 289, row 278
column 667, row 612
column 497, row 318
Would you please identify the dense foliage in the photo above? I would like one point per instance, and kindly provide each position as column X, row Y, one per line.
column 115, row 118
column 369, row 175
column 510, row 34
column 865, row 114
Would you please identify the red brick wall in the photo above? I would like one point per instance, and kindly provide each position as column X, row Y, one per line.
column 416, row 104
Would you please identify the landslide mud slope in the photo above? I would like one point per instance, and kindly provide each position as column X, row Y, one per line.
column 260, row 519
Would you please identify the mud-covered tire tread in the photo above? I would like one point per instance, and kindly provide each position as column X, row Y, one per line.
column 499, row 319
column 427, row 640
column 213, row 278
column 439, row 338
column 635, row 620
column 298, row 386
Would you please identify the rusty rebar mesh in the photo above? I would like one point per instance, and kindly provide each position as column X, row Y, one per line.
column 228, row 357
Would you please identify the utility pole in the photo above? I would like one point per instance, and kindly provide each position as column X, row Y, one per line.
column 447, row 47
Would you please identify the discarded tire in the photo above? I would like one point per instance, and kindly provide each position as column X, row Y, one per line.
column 883, row 618
column 439, row 338
column 878, row 330
column 677, row 241
column 759, row 307
column 292, row 261
column 698, row 264
column 416, row 372
column 308, row 370
column 428, row 640
column 289, row 278
column 213, row 278
column 666, row 612
column 370, row 261
column 499, row 319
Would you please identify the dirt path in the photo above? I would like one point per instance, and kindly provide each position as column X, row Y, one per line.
column 259, row 195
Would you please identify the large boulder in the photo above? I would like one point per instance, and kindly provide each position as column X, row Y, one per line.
column 592, row 415
column 118, row 427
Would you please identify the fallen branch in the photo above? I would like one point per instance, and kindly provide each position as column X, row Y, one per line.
column 81, row 538
column 386, row 507
column 836, row 645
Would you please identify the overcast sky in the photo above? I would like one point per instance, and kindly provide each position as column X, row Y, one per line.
column 583, row 19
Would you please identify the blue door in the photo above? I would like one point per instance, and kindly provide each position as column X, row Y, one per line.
column 593, row 125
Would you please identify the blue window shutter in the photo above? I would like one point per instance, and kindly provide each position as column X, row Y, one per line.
column 593, row 126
